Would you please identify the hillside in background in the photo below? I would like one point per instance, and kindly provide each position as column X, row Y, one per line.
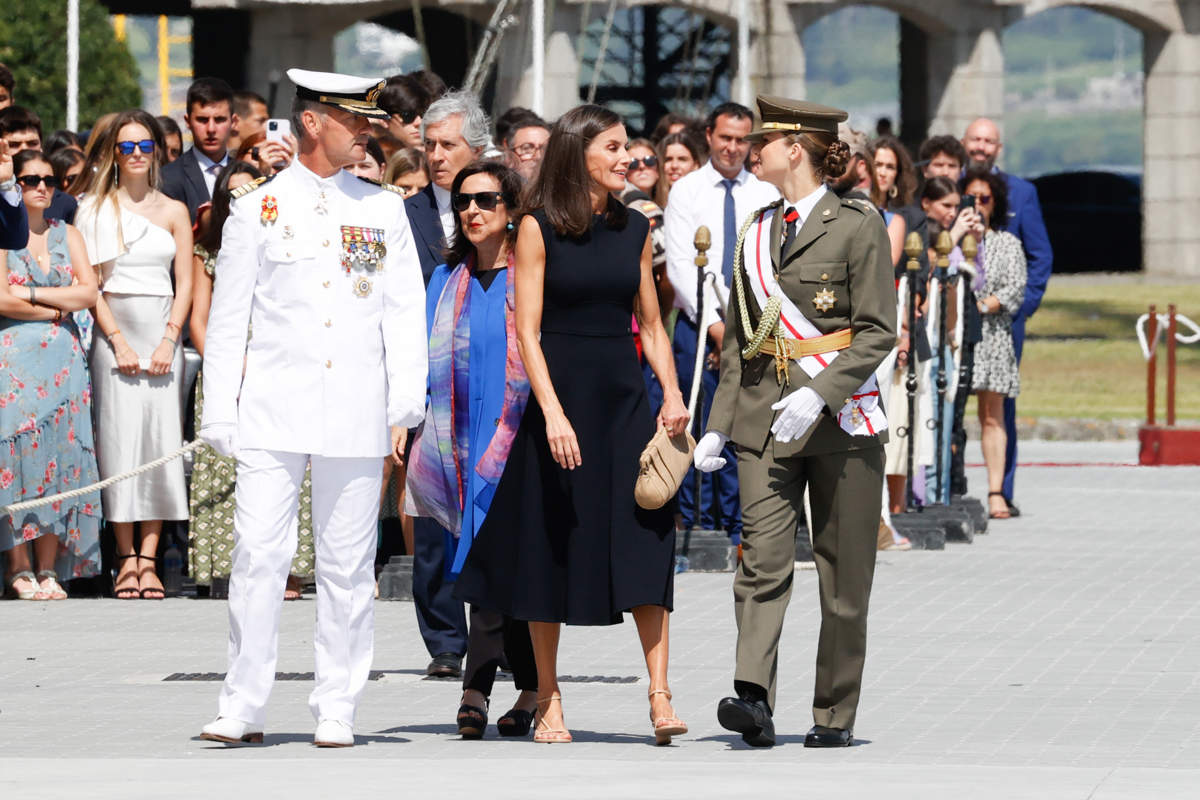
column 1073, row 78
column 1073, row 83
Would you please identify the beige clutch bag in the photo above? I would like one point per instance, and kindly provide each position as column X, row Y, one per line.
column 662, row 466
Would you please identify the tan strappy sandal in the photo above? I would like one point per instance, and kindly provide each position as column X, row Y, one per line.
column 665, row 727
column 550, row 735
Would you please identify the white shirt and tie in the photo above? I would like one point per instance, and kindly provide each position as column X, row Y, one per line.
column 699, row 198
column 210, row 169
column 445, row 212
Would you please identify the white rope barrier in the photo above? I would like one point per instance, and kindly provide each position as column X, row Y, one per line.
column 1148, row 348
column 45, row 501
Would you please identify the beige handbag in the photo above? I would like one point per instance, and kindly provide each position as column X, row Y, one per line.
column 662, row 466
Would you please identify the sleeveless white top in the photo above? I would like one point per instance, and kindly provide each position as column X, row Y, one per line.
column 134, row 254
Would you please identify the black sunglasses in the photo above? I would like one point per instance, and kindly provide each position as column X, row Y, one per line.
column 485, row 200
column 649, row 162
column 127, row 148
column 31, row 181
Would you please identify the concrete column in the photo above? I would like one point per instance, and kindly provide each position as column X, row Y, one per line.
column 292, row 36
column 776, row 49
column 514, row 77
column 1171, row 182
column 965, row 72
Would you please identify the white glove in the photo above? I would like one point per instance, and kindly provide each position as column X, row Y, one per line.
column 797, row 413
column 222, row 437
column 707, row 455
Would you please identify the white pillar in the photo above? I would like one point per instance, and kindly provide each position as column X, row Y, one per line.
column 515, row 74
column 72, row 65
column 1171, row 182
column 292, row 36
column 538, row 56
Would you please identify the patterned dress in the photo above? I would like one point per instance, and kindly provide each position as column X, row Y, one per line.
column 1004, row 276
column 46, row 443
column 210, row 535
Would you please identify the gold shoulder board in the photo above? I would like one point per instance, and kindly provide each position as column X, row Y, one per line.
column 247, row 188
column 381, row 184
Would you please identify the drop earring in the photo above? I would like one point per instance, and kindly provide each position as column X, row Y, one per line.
column 509, row 227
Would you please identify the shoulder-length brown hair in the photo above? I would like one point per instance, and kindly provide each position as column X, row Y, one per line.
column 460, row 246
column 901, row 193
column 563, row 186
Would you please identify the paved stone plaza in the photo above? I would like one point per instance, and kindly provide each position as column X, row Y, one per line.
column 1056, row 657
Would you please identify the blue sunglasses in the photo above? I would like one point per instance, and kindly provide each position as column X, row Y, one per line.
column 127, row 148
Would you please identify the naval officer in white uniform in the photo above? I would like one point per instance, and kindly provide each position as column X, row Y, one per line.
column 321, row 265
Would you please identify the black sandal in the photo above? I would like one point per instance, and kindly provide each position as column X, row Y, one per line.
column 998, row 515
column 472, row 721
column 129, row 592
column 518, row 722
column 151, row 593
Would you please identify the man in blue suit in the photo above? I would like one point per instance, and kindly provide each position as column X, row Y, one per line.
column 14, row 224
column 982, row 142
column 455, row 132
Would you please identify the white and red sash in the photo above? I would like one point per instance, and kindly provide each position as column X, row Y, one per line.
column 863, row 415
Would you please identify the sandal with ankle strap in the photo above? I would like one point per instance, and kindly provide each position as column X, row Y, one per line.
column 472, row 720
column 665, row 727
column 550, row 735
column 128, row 592
column 23, row 594
column 153, row 593
column 48, row 581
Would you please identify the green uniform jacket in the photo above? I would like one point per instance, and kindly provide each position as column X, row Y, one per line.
column 843, row 246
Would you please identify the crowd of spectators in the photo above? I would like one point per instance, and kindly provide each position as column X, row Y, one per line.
column 115, row 279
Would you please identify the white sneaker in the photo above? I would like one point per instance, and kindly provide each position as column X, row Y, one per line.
column 333, row 733
column 231, row 731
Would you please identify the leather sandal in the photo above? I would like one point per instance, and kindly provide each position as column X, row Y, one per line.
column 998, row 514
column 665, row 727
column 50, row 587
column 133, row 592
column 550, row 735
column 515, row 722
column 153, row 592
column 23, row 594
column 472, row 721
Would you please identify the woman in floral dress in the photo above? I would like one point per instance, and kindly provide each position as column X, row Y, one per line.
column 210, row 537
column 46, row 444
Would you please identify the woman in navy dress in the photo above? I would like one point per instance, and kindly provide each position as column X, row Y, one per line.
column 564, row 540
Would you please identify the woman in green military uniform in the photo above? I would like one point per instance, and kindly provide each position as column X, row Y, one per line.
column 813, row 313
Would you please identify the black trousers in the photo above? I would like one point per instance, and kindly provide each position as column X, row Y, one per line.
column 493, row 634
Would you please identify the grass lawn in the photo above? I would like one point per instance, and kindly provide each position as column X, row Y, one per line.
column 1082, row 357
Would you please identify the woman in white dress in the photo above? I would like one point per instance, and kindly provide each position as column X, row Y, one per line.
column 135, row 235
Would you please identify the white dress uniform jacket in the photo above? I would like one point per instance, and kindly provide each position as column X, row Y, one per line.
column 337, row 353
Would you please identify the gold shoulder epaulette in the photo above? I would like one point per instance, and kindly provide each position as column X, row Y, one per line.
column 247, row 188
column 381, row 184
column 859, row 204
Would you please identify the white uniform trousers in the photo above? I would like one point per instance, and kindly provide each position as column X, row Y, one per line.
column 345, row 504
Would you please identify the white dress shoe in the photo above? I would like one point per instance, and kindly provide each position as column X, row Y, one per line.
column 333, row 733
column 231, row 731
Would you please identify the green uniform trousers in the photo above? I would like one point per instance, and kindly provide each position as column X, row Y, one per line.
column 844, row 493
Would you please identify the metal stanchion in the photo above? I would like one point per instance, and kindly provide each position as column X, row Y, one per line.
column 944, row 246
column 912, row 248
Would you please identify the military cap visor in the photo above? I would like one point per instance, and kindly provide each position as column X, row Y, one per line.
column 347, row 92
column 781, row 115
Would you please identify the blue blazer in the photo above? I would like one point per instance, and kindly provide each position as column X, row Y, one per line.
column 14, row 226
column 1026, row 223
column 427, row 232
column 183, row 180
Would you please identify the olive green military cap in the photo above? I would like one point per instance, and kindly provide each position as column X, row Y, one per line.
column 795, row 116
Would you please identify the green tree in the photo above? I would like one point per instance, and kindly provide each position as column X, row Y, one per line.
column 33, row 43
